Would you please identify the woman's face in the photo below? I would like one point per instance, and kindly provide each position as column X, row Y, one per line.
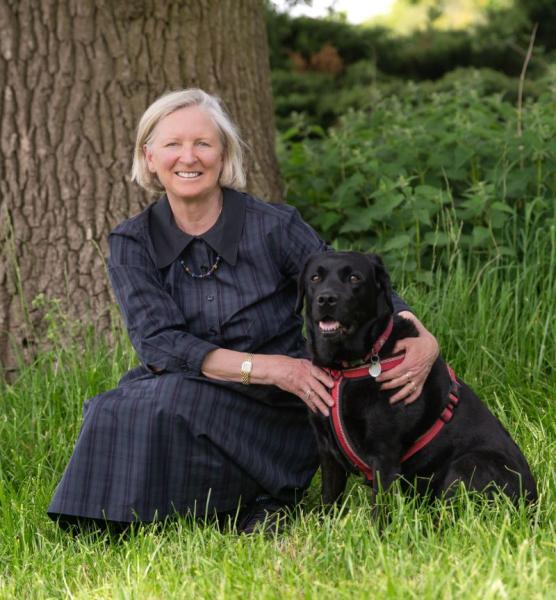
column 186, row 154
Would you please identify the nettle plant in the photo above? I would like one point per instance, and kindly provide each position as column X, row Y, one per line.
column 418, row 179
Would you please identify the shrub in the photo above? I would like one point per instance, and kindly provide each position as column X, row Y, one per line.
column 420, row 177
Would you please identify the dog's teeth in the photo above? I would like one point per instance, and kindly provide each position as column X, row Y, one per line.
column 329, row 325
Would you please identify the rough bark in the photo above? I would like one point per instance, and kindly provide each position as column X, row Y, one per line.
column 76, row 76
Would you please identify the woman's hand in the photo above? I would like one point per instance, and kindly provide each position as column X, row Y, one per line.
column 300, row 377
column 411, row 373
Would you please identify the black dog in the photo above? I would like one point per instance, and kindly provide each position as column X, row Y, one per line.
column 348, row 313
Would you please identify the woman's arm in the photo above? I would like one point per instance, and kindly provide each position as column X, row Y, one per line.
column 155, row 323
column 295, row 375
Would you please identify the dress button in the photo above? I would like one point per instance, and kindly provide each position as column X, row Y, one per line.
column 210, row 298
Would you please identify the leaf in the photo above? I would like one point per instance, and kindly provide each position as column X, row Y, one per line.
column 480, row 235
column 397, row 242
column 436, row 238
column 424, row 277
column 327, row 220
column 349, row 192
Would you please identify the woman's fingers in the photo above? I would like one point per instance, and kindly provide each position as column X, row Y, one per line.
column 316, row 396
column 408, row 393
column 322, row 376
column 404, row 378
column 315, row 391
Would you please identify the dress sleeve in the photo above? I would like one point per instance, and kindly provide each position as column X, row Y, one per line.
column 300, row 240
column 155, row 324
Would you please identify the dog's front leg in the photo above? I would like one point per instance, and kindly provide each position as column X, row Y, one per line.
column 333, row 479
column 385, row 472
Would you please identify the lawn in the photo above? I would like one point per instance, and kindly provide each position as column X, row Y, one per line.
column 496, row 324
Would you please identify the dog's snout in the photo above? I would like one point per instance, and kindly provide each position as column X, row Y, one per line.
column 328, row 298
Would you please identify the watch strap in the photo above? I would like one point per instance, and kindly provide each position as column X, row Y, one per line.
column 246, row 367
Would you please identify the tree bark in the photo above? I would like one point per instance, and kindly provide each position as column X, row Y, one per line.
column 76, row 76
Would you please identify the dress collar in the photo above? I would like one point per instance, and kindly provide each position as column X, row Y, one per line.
column 170, row 241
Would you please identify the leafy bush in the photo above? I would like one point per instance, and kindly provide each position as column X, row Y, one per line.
column 427, row 54
column 421, row 177
column 323, row 98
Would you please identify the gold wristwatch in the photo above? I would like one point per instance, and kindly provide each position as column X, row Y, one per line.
column 246, row 368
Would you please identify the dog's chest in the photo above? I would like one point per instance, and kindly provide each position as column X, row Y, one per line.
column 365, row 411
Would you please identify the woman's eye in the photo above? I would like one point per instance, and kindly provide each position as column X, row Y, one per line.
column 354, row 278
column 315, row 278
column 206, row 144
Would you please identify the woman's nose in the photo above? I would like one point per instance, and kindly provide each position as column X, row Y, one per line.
column 187, row 155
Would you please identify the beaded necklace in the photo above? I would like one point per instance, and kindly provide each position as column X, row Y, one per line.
column 217, row 262
column 202, row 275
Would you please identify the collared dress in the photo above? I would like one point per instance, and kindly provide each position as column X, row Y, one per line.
column 169, row 440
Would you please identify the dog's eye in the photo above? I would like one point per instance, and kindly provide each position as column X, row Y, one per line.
column 315, row 278
column 354, row 278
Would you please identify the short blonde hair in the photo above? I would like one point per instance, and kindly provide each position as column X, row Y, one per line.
column 233, row 174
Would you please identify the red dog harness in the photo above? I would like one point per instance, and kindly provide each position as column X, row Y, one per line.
column 370, row 370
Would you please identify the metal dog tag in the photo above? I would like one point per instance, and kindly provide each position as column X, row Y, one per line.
column 375, row 369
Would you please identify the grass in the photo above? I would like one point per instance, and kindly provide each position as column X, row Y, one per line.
column 497, row 327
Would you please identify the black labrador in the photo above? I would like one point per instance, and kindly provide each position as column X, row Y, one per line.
column 348, row 308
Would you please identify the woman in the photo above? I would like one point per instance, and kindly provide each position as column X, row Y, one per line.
column 206, row 281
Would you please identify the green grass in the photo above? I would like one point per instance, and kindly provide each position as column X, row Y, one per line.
column 497, row 327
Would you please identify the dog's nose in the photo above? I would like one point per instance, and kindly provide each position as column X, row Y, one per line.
column 329, row 298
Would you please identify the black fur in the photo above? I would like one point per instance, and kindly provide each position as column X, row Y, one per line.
column 473, row 448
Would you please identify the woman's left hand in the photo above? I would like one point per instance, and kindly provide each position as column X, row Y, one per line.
column 411, row 373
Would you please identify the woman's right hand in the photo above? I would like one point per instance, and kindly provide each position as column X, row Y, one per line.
column 300, row 377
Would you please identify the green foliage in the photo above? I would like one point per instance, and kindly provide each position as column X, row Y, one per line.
column 542, row 12
column 420, row 178
column 323, row 99
column 496, row 43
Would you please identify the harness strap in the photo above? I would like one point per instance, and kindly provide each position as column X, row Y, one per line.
column 444, row 418
column 337, row 422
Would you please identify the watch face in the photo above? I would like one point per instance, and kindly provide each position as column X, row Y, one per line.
column 247, row 366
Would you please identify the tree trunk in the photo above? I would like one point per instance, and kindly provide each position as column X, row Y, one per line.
column 76, row 76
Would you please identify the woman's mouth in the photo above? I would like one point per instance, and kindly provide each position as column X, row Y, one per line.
column 188, row 174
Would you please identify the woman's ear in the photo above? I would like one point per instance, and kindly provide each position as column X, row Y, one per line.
column 148, row 153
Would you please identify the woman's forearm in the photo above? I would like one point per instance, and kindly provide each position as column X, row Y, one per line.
column 295, row 375
column 226, row 365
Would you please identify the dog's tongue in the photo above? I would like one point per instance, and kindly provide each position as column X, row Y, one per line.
column 329, row 325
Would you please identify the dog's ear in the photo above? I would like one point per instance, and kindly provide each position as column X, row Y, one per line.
column 301, row 288
column 301, row 283
column 384, row 300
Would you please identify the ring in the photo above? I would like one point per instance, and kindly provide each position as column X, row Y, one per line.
column 414, row 388
column 308, row 394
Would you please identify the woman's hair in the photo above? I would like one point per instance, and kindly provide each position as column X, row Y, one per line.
column 232, row 175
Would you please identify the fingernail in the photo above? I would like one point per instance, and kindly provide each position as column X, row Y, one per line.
column 326, row 413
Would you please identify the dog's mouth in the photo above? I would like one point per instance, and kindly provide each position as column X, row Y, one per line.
column 330, row 327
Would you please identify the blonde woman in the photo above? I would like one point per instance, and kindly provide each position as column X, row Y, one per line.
column 215, row 416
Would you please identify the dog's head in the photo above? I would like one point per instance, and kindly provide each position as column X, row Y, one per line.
column 348, row 302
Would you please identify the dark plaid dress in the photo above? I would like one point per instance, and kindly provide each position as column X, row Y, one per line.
column 175, row 441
